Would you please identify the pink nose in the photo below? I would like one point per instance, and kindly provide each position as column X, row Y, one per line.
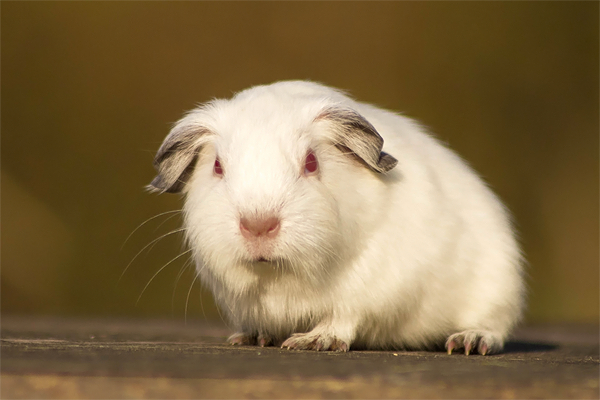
column 252, row 228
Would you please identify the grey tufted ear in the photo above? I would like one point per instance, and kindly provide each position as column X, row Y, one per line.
column 177, row 156
column 354, row 133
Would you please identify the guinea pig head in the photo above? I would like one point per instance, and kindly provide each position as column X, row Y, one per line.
column 262, row 181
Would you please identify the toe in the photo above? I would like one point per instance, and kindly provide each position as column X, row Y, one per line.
column 482, row 348
column 264, row 340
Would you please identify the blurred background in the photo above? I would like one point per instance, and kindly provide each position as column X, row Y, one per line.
column 90, row 89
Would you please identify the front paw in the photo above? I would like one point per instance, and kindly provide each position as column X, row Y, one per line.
column 247, row 339
column 318, row 342
column 484, row 342
column 242, row 339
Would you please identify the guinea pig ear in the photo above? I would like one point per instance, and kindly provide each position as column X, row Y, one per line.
column 177, row 156
column 354, row 133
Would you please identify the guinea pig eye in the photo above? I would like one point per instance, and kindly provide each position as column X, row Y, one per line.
column 218, row 170
column 310, row 164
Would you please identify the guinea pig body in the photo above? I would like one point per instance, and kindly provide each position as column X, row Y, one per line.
column 322, row 223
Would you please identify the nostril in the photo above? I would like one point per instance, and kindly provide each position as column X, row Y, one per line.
column 256, row 227
column 272, row 227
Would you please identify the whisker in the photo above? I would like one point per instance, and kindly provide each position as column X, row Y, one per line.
column 175, row 231
column 162, row 223
column 187, row 299
column 221, row 315
column 217, row 306
column 226, row 303
column 179, row 275
column 145, row 222
column 201, row 292
column 157, row 272
column 145, row 247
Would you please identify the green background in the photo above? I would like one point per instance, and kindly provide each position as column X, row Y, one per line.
column 89, row 90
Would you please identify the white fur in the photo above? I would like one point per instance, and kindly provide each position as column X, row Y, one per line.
column 402, row 259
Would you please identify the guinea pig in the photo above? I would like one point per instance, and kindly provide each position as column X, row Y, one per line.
column 322, row 223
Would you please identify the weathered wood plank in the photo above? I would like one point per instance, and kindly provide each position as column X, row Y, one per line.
column 58, row 358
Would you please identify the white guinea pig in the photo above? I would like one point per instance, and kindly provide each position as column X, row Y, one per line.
column 321, row 223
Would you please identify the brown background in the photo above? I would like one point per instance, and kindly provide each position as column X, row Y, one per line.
column 89, row 90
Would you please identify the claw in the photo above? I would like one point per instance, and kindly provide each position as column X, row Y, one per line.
column 483, row 349
column 264, row 341
column 450, row 348
column 467, row 348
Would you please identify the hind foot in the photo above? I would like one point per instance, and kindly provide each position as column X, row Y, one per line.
column 318, row 342
column 484, row 342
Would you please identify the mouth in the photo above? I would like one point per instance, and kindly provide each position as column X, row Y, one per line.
column 259, row 251
column 264, row 269
column 262, row 260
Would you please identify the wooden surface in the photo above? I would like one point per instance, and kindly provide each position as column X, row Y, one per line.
column 76, row 358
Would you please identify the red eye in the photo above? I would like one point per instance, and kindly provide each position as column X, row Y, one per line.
column 218, row 170
column 310, row 164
